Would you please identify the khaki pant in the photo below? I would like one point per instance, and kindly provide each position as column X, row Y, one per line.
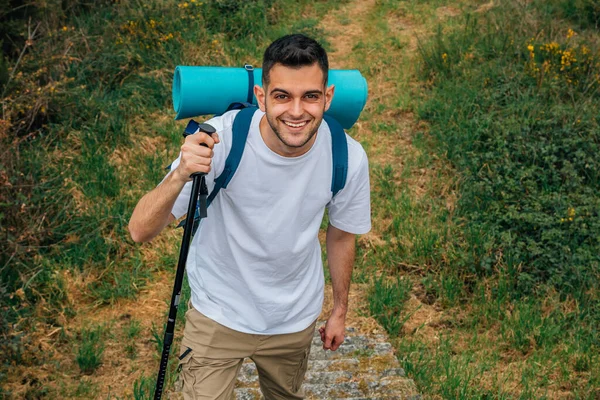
column 212, row 355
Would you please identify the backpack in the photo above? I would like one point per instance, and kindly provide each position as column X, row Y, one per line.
column 240, row 128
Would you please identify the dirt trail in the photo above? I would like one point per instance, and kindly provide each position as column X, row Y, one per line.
column 347, row 27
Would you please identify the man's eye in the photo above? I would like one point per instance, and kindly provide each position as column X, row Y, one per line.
column 280, row 96
column 312, row 96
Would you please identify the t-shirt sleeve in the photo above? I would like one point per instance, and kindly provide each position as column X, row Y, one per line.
column 350, row 209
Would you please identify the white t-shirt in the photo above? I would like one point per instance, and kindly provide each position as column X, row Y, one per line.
column 255, row 264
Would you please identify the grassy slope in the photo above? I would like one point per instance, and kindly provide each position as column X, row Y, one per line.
column 466, row 326
column 86, row 305
column 457, row 336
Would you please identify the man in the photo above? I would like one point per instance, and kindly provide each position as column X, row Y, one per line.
column 254, row 265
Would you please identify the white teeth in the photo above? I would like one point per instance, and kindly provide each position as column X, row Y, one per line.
column 295, row 125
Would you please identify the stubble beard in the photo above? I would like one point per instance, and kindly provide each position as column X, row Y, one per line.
column 273, row 124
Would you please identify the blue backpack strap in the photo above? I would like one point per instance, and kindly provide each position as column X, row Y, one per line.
column 241, row 126
column 339, row 148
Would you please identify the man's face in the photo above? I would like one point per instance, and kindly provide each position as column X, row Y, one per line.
column 294, row 101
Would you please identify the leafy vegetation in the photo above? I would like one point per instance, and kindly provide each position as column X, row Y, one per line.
column 482, row 139
column 86, row 130
column 517, row 118
column 501, row 240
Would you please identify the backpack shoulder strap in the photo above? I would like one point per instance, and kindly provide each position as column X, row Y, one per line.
column 339, row 148
column 241, row 126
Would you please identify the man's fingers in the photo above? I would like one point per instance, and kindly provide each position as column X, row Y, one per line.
column 202, row 138
column 331, row 342
column 197, row 150
column 197, row 153
column 337, row 341
column 327, row 342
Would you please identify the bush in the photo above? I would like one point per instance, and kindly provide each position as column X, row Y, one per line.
column 518, row 118
column 586, row 13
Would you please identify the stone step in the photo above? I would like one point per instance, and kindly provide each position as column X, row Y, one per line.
column 344, row 364
column 363, row 367
column 349, row 350
column 254, row 394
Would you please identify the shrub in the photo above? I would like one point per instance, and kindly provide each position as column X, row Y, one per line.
column 518, row 118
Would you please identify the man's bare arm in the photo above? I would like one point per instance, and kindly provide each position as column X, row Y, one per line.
column 340, row 257
column 153, row 211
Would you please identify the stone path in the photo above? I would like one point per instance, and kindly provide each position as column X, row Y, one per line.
column 363, row 368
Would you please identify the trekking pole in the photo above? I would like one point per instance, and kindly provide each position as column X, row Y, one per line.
column 198, row 188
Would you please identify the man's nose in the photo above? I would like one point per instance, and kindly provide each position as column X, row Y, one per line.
column 296, row 109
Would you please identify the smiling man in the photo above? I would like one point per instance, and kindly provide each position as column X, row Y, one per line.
column 254, row 265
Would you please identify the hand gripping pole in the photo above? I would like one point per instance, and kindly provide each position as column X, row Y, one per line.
column 198, row 189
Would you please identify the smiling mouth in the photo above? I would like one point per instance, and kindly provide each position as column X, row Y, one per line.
column 295, row 125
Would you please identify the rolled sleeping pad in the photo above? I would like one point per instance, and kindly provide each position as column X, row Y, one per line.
column 210, row 90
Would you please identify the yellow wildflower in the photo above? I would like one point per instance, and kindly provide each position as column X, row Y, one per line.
column 445, row 57
column 551, row 47
column 567, row 59
column 530, row 48
column 571, row 33
column 64, row 28
column 571, row 212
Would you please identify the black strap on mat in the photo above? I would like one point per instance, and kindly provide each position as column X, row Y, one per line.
column 250, row 70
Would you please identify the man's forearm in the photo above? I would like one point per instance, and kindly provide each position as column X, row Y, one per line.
column 153, row 211
column 340, row 257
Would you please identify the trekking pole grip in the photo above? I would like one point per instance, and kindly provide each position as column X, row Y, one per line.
column 191, row 129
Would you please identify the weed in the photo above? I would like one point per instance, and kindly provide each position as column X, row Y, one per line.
column 89, row 353
column 157, row 337
column 85, row 389
column 132, row 332
column 120, row 283
column 143, row 388
column 132, row 329
column 386, row 302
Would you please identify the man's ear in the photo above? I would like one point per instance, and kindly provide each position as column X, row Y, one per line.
column 329, row 96
column 259, row 92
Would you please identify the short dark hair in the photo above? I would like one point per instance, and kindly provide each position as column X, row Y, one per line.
column 294, row 51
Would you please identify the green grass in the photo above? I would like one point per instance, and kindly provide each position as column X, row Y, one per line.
column 500, row 244
column 90, row 350
column 386, row 301
column 143, row 388
column 487, row 211
column 88, row 127
column 132, row 332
